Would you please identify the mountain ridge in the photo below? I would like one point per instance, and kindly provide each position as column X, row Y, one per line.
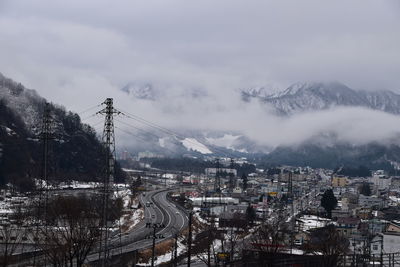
column 312, row 96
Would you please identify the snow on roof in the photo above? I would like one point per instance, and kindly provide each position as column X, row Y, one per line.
column 312, row 221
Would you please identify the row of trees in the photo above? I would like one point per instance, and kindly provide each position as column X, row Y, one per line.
column 66, row 231
column 196, row 165
column 273, row 236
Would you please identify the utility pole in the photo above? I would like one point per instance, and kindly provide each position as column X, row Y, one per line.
column 190, row 238
column 231, row 176
column 155, row 226
column 217, row 185
column 46, row 135
column 153, row 246
column 209, row 254
column 231, row 240
column 109, row 144
column 381, row 258
column 176, row 250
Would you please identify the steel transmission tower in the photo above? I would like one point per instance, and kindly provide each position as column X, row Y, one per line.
column 46, row 134
column 109, row 144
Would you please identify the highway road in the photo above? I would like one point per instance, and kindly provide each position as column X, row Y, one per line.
column 157, row 210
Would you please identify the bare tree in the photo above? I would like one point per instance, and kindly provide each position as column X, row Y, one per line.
column 328, row 242
column 11, row 237
column 203, row 244
column 271, row 236
column 71, row 230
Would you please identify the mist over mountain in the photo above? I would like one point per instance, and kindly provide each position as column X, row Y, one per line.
column 316, row 124
column 308, row 123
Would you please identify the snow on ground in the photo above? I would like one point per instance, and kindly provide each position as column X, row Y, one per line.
column 161, row 142
column 125, row 194
column 133, row 216
column 130, row 220
column 9, row 131
column 199, row 218
column 79, row 185
column 167, row 256
column 193, row 144
column 5, row 208
column 67, row 185
column 394, row 199
column 226, row 141
column 8, row 204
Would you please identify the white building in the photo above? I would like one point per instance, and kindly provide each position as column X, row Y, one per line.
column 380, row 180
column 199, row 201
column 389, row 240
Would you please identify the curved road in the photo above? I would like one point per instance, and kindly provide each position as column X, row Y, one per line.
column 157, row 210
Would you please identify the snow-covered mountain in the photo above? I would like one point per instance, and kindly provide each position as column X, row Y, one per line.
column 25, row 102
column 318, row 96
column 321, row 149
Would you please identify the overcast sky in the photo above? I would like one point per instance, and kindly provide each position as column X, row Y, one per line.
column 77, row 52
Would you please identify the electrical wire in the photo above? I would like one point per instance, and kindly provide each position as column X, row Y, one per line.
column 88, row 117
column 137, row 128
column 170, row 132
column 141, row 138
column 89, row 109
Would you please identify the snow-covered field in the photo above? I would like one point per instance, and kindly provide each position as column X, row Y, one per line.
column 193, row 144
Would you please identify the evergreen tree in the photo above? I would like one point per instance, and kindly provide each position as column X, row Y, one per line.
column 365, row 189
column 329, row 201
column 244, row 181
column 250, row 214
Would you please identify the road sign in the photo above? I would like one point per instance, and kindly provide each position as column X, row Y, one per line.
column 223, row 256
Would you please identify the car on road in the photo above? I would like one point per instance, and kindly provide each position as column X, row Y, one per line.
column 298, row 242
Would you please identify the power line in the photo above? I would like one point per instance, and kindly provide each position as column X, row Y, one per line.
column 150, row 133
column 88, row 109
column 137, row 128
column 141, row 138
column 90, row 116
column 170, row 132
column 95, row 124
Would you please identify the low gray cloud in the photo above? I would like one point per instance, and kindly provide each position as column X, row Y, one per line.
column 79, row 52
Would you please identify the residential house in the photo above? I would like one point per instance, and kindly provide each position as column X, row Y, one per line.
column 348, row 225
